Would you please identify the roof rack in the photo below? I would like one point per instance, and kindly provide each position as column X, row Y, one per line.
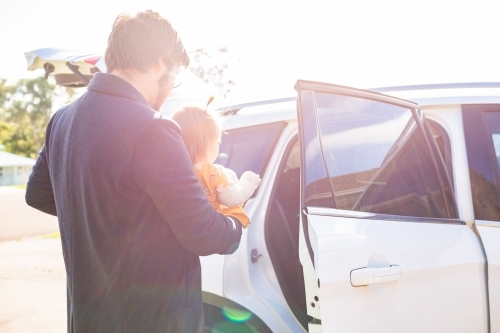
column 439, row 86
column 232, row 109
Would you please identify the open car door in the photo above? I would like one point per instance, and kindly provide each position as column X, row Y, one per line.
column 381, row 245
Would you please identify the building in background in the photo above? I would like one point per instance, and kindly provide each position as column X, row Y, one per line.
column 14, row 169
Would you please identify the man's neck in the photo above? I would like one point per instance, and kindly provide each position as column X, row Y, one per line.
column 140, row 81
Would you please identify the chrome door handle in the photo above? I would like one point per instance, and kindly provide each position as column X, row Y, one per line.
column 366, row 276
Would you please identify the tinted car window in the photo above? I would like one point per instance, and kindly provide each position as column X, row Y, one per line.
column 441, row 148
column 248, row 149
column 443, row 143
column 493, row 121
column 482, row 130
column 377, row 158
column 495, row 137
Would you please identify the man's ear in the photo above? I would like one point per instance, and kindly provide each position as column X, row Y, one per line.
column 160, row 66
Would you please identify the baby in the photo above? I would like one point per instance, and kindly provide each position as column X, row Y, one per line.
column 201, row 132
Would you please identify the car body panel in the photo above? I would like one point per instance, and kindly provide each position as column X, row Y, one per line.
column 450, row 118
column 447, row 115
column 442, row 281
column 251, row 115
column 213, row 282
column 255, row 285
column 436, row 259
column 490, row 236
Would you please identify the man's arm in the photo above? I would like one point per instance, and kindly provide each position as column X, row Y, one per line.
column 39, row 192
column 163, row 169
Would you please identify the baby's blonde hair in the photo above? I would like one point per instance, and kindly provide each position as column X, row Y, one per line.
column 200, row 129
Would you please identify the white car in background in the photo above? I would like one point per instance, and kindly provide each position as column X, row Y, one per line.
column 375, row 214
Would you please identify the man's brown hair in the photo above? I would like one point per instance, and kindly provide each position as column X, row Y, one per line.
column 139, row 42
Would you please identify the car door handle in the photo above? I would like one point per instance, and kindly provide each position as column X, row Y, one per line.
column 366, row 276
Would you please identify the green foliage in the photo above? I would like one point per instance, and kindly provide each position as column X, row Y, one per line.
column 6, row 131
column 25, row 110
column 5, row 93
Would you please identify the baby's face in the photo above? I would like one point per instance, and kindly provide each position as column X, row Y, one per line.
column 214, row 150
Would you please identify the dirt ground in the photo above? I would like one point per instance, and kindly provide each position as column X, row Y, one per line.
column 32, row 273
column 32, row 285
column 18, row 219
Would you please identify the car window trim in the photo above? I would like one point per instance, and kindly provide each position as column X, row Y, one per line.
column 320, row 140
column 449, row 176
column 333, row 212
column 326, row 88
column 491, row 148
column 447, row 146
column 419, row 115
column 481, row 110
column 483, row 223
column 309, row 89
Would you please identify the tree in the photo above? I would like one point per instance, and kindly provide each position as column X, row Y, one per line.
column 26, row 108
column 5, row 94
column 6, row 130
column 211, row 65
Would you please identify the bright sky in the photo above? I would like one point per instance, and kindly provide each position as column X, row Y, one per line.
column 356, row 43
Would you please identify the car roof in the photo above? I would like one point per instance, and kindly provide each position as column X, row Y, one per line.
column 427, row 95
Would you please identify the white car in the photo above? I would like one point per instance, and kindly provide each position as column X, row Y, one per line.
column 375, row 214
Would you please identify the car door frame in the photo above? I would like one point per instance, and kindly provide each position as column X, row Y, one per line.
column 475, row 124
column 353, row 92
column 309, row 132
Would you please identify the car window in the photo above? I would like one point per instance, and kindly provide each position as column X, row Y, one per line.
column 441, row 148
column 495, row 137
column 482, row 129
column 293, row 161
column 248, row 149
column 493, row 121
column 443, row 143
column 377, row 158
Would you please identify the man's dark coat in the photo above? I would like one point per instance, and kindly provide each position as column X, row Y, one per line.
column 132, row 215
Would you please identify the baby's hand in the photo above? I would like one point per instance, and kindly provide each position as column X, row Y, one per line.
column 252, row 177
column 237, row 193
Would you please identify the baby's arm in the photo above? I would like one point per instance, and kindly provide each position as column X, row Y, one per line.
column 238, row 191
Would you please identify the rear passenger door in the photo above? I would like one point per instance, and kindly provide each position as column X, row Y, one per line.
column 380, row 232
column 482, row 138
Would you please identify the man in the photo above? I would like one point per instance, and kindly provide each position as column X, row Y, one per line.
column 132, row 215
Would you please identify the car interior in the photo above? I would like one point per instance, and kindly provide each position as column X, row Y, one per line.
column 282, row 232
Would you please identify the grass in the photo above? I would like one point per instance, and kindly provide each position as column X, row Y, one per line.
column 52, row 235
column 18, row 186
